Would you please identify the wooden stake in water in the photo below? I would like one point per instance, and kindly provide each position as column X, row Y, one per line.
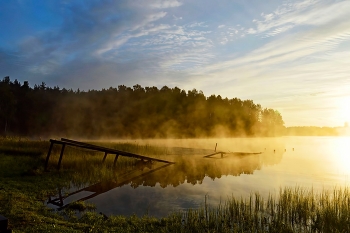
column 216, row 146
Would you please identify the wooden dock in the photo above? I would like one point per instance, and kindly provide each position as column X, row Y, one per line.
column 216, row 153
column 222, row 153
column 68, row 142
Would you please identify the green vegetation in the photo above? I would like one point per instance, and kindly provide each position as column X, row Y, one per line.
column 24, row 187
column 294, row 210
column 138, row 112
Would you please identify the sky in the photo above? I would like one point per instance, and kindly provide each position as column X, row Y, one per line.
column 292, row 56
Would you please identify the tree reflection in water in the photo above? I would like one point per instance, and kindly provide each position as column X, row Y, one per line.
column 190, row 167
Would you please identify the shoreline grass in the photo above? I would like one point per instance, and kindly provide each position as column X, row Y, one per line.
column 24, row 187
column 294, row 210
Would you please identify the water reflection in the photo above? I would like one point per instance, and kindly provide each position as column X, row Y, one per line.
column 126, row 177
column 193, row 169
column 157, row 188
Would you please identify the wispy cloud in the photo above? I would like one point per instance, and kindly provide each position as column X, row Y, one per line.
column 307, row 12
column 277, row 53
column 165, row 4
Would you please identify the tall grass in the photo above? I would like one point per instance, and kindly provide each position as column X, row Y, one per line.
column 22, row 146
column 294, row 210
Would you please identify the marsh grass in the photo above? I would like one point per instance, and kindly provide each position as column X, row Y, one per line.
column 294, row 210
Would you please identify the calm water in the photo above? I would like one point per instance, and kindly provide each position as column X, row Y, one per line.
column 313, row 162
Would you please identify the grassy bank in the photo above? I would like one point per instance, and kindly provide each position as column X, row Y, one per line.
column 24, row 187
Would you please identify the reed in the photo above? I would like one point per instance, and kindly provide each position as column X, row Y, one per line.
column 294, row 210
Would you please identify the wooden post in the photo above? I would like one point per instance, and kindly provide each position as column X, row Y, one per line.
column 222, row 155
column 60, row 197
column 104, row 158
column 115, row 159
column 216, row 146
column 48, row 156
column 61, row 155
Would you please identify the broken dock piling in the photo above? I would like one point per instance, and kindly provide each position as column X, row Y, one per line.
column 68, row 142
column 216, row 153
column 222, row 153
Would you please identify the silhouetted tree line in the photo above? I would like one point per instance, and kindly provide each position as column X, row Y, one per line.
column 144, row 112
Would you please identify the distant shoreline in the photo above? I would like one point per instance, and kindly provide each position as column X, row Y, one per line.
column 317, row 131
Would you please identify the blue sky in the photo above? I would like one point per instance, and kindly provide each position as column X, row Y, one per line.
column 292, row 56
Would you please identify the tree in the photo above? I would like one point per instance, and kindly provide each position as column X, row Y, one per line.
column 271, row 122
column 7, row 103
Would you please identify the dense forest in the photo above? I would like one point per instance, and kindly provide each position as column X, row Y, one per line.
column 137, row 112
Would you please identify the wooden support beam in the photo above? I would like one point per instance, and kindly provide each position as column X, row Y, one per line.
column 115, row 159
column 110, row 151
column 61, row 155
column 67, row 142
column 60, row 196
column 222, row 153
column 48, row 156
column 216, row 153
column 104, row 157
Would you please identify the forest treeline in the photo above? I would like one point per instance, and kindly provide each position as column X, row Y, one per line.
column 139, row 112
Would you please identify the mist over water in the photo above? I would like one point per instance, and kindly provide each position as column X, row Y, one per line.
column 311, row 162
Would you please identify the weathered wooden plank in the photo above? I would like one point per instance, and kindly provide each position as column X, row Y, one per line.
column 48, row 155
column 115, row 159
column 111, row 151
column 104, row 157
column 232, row 153
column 216, row 153
column 67, row 142
column 61, row 155
column 81, row 146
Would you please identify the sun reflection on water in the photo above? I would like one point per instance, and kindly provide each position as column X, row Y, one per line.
column 342, row 155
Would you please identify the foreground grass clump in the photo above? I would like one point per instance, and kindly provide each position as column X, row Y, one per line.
column 24, row 187
column 294, row 210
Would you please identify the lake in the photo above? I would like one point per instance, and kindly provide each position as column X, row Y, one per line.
column 158, row 189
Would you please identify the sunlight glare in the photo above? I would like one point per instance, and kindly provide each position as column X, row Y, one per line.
column 344, row 110
column 342, row 155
